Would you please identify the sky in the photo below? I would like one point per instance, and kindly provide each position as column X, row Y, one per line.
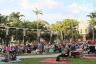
column 53, row 10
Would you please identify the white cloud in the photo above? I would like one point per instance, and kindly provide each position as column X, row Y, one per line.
column 74, row 8
column 52, row 18
column 7, row 12
column 50, row 4
column 24, row 4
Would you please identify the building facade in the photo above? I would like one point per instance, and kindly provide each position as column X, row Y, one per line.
column 83, row 29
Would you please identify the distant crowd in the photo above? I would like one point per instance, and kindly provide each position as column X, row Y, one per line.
column 42, row 48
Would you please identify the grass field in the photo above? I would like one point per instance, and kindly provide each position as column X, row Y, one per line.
column 72, row 61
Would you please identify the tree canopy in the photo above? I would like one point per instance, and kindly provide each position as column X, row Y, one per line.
column 64, row 29
column 92, row 19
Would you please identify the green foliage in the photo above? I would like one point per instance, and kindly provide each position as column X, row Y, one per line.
column 92, row 19
column 37, row 11
column 31, row 35
column 12, row 31
column 56, row 27
column 68, row 27
column 46, row 36
column 15, row 19
column 26, row 24
column 3, row 19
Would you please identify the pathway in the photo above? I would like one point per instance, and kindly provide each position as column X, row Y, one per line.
column 38, row 56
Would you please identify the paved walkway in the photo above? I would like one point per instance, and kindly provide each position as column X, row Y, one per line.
column 37, row 56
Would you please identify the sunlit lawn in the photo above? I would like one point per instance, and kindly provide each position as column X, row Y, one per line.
column 72, row 61
column 82, row 61
column 31, row 61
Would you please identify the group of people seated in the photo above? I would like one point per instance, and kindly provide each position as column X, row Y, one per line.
column 9, row 58
column 74, row 52
column 9, row 55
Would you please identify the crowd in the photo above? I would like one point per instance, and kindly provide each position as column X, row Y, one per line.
column 71, row 49
column 42, row 48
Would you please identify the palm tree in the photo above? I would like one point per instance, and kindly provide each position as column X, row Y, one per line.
column 92, row 21
column 3, row 19
column 15, row 17
column 14, row 21
column 37, row 13
column 92, row 17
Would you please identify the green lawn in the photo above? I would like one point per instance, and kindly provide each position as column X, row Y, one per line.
column 72, row 61
column 81, row 61
column 31, row 61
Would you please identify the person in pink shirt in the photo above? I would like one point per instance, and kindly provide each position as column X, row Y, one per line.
column 8, row 49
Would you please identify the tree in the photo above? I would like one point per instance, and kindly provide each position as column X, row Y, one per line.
column 69, row 27
column 15, row 19
column 92, row 22
column 92, row 17
column 3, row 19
column 37, row 13
column 66, row 29
column 26, row 24
column 40, row 25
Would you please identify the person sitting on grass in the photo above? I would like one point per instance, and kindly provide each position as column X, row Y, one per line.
column 68, row 53
column 6, row 58
column 63, row 54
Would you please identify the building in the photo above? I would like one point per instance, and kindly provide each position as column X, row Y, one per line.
column 83, row 29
